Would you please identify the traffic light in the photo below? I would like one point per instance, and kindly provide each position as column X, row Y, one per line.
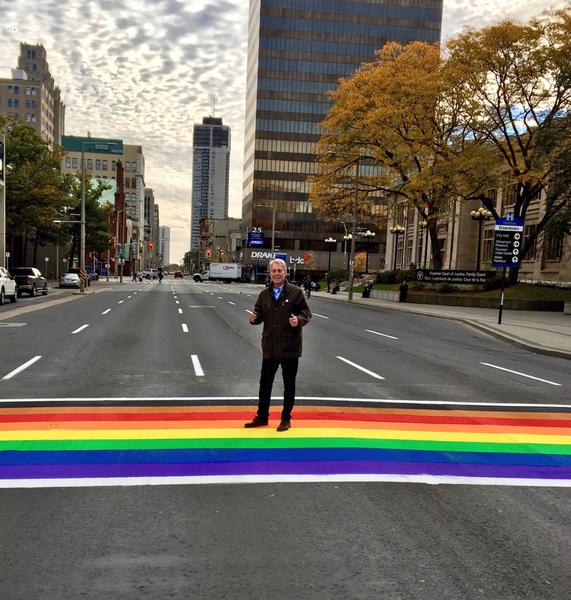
column 151, row 245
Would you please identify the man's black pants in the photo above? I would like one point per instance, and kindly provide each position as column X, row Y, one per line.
column 289, row 372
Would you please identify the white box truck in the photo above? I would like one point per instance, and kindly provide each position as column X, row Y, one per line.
column 226, row 272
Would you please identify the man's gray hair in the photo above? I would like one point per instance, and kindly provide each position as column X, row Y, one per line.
column 280, row 262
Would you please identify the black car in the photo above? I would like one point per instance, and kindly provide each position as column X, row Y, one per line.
column 29, row 280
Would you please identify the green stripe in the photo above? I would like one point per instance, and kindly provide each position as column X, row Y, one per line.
column 214, row 443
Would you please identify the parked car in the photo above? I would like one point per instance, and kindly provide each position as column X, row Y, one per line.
column 178, row 274
column 8, row 288
column 78, row 272
column 30, row 280
column 70, row 280
column 150, row 273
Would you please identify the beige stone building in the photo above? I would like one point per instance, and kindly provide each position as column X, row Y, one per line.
column 29, row 95
column 548, row 260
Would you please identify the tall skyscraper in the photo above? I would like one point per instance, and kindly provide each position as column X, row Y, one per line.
column 210, row 174
column 165, row 245
column 31, row 96
column 297, row 51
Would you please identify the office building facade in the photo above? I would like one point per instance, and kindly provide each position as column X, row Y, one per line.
column 210, row 174
column 297, row 52
column 31, row 96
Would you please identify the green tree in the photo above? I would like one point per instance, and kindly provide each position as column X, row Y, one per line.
column 35, row 189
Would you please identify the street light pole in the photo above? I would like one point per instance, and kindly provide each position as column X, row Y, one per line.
column 396, row 230
column 480, row 215
column 82, row 234
column 354, row 230
column 368, row 235
column 330, row 241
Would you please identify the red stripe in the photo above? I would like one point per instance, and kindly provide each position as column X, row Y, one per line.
column 300, row 416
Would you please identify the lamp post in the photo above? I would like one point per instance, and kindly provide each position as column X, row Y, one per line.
column 480, row 215
column 329, row 241
column 368, row 235
column 347, row 252
column 423, row 242
column 396, row 230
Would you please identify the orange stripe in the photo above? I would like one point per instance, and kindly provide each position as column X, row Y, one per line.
column 300, row 424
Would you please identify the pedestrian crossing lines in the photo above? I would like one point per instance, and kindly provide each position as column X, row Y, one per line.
column 134, row 445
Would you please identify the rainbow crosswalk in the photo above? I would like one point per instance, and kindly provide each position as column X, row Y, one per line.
column 123, row 445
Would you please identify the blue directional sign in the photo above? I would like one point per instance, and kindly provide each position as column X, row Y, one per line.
column 508, row 242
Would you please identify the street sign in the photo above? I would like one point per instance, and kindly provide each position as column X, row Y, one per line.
column 508, row 242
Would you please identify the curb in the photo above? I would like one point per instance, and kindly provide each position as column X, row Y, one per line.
column 476, row 325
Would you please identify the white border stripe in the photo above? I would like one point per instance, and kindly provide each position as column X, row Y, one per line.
column 514, row 405
column 522, row 374
column 81, row 328
column 196, row 364
column 375, row 375
column 249, row 479
column 22, row 367
column 383, row 334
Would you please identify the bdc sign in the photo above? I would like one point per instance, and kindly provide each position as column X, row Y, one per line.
column 508, row 242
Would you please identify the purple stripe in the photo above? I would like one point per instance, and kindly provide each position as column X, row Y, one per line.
column 285, row 468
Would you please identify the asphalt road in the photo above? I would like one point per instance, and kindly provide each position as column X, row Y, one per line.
column 171, row 343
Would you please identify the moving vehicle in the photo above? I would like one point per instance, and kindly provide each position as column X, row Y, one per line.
column 70, row 280
column 226, row 272
column 8, row 288
column 30, row 280
column 150, row 273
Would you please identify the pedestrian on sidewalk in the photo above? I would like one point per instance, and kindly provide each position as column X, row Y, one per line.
column 283, row 311
column 134, row 275
column 403, row 290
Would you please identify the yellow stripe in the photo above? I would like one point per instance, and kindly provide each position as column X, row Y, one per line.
column 389, row 434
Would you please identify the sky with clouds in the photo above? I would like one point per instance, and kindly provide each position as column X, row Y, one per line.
column 145, row 71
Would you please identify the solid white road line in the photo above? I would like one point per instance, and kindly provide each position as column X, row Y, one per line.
column 120, row 301
column 382, row 401
column 79, row 482
column 383, row 334
column 185, row 327
column 180, row 311
column 22, row 367
column 106, row 311
column 318, row 315
column 375, row 375
column 232, row 303
column 196, row 364
column 81, row 328
column 522, row 374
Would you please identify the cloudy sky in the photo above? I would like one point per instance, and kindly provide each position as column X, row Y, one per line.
column 145, row 71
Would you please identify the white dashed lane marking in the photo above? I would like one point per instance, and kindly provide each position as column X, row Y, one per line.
column 81, row 328
column 185, row 327
column 382, row 334
column 375, row 375
column 197, row 367
column 22, row 367
column 106, row 311
column 521, row 374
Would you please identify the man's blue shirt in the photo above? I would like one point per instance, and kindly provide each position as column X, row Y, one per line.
column 277, row 291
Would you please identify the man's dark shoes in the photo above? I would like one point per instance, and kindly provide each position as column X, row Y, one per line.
column 284, row 426
column 256, row 422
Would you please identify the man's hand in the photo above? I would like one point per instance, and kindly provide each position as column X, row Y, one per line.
column 293, row 321
column 253, row 317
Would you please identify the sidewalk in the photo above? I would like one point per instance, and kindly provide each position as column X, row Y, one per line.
column 543, row 332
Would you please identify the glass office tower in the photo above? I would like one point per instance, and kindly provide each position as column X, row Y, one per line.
column 297, row 51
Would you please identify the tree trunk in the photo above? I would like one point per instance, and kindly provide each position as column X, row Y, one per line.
column 35, row 257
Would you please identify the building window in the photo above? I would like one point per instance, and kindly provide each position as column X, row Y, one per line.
column 34, row 67
column 16, row 103
column 68, row 163
column 487, row 244
column 98, row 165
column 33, row 104
column 34, row 118
column 10, row 103
column 90, row 163
column 16, row 89
column 528, row 231
column 74, row 163
column 553, row 245
column 27, row 117
column 113, row 165
column 28, row 91
column 27, row 104
column 127, row 165
column 33, row 91
column 104, row 165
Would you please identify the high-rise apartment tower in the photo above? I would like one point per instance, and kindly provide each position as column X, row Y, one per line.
column 210, row 174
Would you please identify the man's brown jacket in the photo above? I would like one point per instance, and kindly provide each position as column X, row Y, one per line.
column 279, row 339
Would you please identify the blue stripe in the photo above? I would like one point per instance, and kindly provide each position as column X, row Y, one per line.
column 222, row 455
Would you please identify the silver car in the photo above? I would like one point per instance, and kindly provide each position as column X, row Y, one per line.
column 7, row 287
column 70, row 280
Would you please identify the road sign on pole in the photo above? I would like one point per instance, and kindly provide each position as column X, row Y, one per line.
column 508, row 242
